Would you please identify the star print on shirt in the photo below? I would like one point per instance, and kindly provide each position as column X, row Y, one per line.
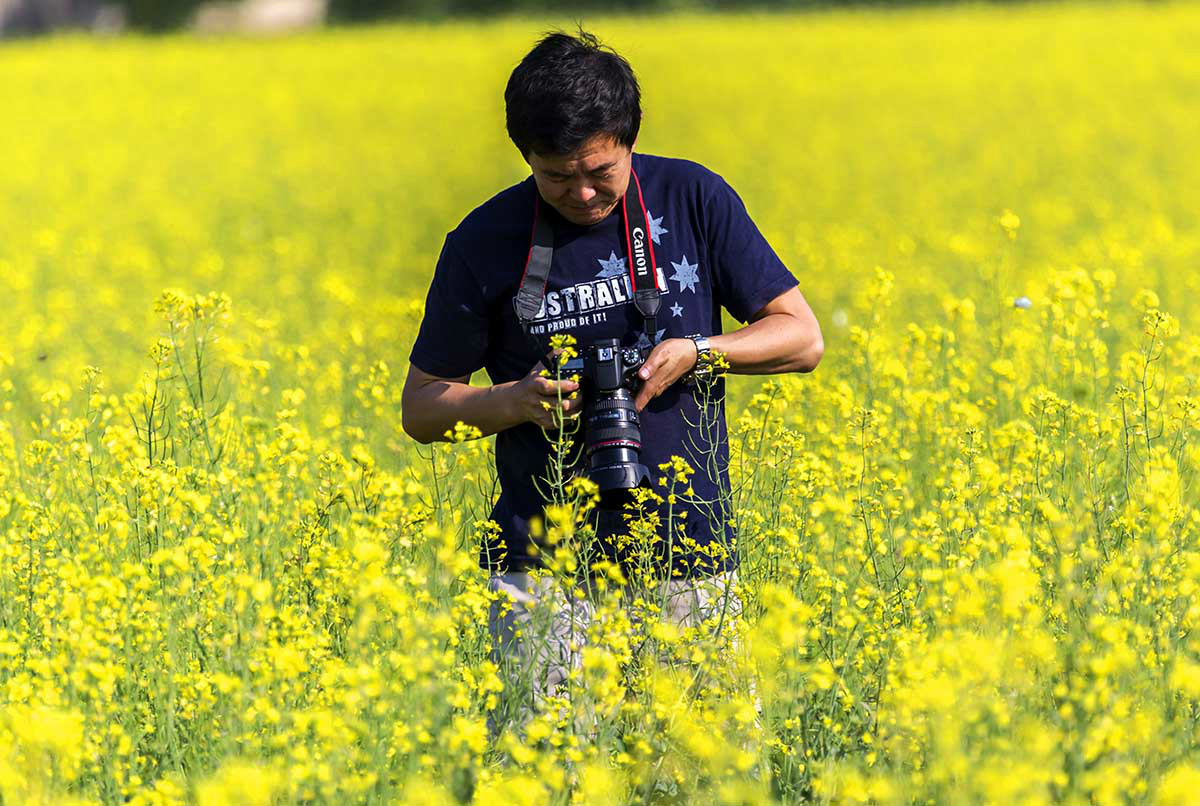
column 643, row 343
column 656, row 227
column 676, row 310
column 613, row 267
column 686, row 275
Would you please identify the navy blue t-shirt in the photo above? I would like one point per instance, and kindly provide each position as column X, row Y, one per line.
column 710, row 254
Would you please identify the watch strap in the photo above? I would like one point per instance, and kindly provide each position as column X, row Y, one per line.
column 703, row 368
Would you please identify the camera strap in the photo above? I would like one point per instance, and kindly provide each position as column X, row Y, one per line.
column 643, row 272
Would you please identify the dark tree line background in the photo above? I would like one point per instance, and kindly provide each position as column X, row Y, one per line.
column 32, row 16
column 358, row 10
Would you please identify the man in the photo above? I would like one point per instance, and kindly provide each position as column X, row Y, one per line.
column 573, row 111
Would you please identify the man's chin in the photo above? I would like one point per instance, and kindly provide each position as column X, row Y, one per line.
column 588, row 216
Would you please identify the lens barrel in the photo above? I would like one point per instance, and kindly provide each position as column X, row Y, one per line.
column 614, row 442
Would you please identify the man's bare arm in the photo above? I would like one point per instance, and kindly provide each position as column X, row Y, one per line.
column 783, row 336
column 430, row 406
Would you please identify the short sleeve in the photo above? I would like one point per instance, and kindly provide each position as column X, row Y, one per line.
column 453, row 337
column 747, row 272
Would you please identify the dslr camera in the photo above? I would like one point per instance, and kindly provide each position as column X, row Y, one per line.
column 612, row 427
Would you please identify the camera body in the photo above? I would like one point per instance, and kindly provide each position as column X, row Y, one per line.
column 612, row 426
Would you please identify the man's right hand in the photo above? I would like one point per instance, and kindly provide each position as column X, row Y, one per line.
column 535, row 398
column 431, row 405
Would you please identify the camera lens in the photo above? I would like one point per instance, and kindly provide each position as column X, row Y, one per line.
column 614, row 443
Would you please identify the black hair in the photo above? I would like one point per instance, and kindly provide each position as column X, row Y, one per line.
column 567, row 90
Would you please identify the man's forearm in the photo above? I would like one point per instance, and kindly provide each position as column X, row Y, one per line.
column 777, row 342
column 783, row 337
column 439, row 405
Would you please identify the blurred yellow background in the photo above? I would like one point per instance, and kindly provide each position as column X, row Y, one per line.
column 971, row 540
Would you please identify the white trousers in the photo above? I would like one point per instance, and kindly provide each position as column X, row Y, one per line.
column 539, row 630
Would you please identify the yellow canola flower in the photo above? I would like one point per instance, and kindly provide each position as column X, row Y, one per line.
column 1010, row 222
column 599, row 785
column 240, row 784
column 1179, row 786
column 421, row 789
column 515, row 789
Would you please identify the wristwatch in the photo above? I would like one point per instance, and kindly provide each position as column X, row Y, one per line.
column 703, row 369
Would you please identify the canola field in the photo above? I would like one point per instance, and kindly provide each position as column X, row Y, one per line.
column 971, row 544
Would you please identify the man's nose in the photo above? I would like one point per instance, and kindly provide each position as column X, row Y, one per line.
column 583, row 193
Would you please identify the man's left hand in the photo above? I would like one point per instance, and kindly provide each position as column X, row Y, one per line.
column 669, row 361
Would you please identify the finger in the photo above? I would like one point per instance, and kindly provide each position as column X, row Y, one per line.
column 552, row 402
column 552, row 421
column 644, row 396
column 657, row 383
column 551, row 388
column 547, row 419
column 551, row 399
column 571, row 408
column 653, row 363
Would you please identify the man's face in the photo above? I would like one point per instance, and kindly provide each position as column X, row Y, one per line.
column 585, row 185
